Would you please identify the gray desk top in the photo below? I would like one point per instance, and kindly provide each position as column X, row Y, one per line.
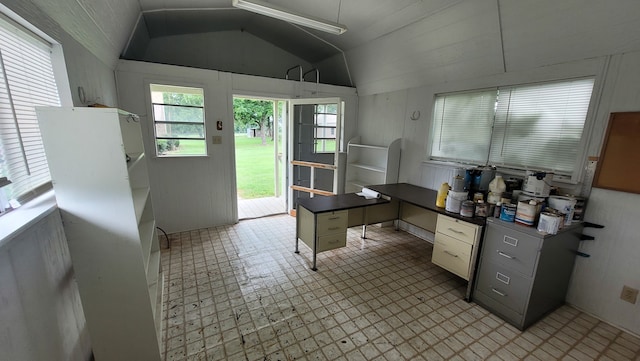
column 421, row 197
column 339, row 202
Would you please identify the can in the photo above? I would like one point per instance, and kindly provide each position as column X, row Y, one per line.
column 549, row 222
column 526, row 213
column 508, row 212
column 578, row 209
column 482, row 209
column 467, row 209
column 478, row 196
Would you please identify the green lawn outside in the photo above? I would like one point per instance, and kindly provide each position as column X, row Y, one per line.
column 254, row 167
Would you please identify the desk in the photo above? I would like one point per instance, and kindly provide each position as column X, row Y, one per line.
column 322, row 222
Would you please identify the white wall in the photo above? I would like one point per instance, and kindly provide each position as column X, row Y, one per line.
column 41, row 316
column 198, row 192
column 615, row 254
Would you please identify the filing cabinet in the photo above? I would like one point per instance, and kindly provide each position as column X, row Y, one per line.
column 524, row 274
column 330, row 229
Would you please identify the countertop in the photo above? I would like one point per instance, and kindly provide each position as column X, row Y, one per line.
column 421, row 197
column 319, row 204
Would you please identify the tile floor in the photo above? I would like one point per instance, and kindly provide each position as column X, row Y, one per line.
column 240, row 293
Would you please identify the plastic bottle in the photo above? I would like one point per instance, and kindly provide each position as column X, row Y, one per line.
column 497, row 185
column 442, row 195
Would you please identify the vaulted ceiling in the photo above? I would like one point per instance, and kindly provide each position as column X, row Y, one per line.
column 389, row 45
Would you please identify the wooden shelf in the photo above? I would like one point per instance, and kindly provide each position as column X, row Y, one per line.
column 369, row 164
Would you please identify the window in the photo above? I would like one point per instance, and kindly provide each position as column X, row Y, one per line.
column 178, row 119
column 26, row 81
column 324, row 132
column 535, row 126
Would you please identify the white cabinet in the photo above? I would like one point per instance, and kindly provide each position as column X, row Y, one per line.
column 455, row 245
column 371, row 164
column 109, row 224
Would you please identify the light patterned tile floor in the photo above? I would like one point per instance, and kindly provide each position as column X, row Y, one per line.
column 240, row 293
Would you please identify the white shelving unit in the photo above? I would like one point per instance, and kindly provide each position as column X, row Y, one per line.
column 109, row 224
column 371, row 164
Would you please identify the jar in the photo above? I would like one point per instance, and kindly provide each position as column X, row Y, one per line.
column 467, row 209
column 482, row 209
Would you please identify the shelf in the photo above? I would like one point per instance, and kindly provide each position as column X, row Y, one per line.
column 153, row 267
column 147, row 232
column 135, row 160
column 140, row 196
column 367, row 146
column 367, row 167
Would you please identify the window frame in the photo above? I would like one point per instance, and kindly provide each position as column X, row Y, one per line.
column 332, row 129
column 573, row 178
column 153, row 121
column 28, row 170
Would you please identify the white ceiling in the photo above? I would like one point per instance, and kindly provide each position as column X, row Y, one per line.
column 401, row 42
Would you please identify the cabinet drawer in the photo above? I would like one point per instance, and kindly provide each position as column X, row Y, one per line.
column 332, row 241
column 503, row 285
column 332, row 222
column 457, row 229
column 452, row 255
column 512, row 249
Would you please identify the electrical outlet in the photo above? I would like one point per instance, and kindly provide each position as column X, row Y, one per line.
column 629, row 294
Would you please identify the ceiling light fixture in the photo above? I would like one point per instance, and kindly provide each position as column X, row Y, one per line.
column 263, row 8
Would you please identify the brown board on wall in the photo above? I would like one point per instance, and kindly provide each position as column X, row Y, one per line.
column 619, row 163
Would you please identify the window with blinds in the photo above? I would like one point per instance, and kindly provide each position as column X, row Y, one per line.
column 26, row 81
column 534, row 126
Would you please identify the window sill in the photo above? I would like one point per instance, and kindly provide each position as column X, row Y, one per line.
column 18, row 220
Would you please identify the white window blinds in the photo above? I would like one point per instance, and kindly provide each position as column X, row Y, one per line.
column 540, row 126
column 534, row 126
column 462, row 126
column 26, row 81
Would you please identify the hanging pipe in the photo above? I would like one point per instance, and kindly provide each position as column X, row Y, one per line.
column 286, row 76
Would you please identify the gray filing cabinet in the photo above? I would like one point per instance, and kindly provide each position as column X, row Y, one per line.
column 523, row 274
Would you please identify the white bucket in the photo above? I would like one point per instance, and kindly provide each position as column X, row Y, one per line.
column 565, row 205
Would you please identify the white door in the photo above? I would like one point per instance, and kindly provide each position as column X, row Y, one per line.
column 315, row 136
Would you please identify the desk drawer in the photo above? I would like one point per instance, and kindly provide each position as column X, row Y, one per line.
column 332, row 241
column 511, row 249
column 504, row 286
column 452, row 255
column 332, row 222
column 461, row 230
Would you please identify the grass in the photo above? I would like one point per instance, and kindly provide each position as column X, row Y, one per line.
column 254, row 167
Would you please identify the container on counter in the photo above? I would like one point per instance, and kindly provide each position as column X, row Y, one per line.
column 478, row 196
column 508, row 212
column 497, row 209
column 442, row 195
column 565, row 205
column 578, row 209
column 454, row 200
column 482, row 209
column 467, row 209
column 526, row 212
column 549, row 222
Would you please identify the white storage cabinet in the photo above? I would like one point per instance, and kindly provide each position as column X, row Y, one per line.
column 109, row 224
column 371, row 164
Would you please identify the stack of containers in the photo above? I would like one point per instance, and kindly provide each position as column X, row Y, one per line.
column 456, row 195
column 497, row 186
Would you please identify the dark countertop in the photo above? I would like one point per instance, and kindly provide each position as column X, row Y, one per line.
column 421, row 197
column 319, row 204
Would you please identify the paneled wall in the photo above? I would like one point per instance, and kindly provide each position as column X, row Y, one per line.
column 41, row 316
column 598, row 280
column 198, row 192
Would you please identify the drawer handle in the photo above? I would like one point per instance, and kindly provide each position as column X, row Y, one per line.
column 455, row 230
column 498, row 292
column 334, row 218
column 451, row 254
column 506, row 255
column 333, row 228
